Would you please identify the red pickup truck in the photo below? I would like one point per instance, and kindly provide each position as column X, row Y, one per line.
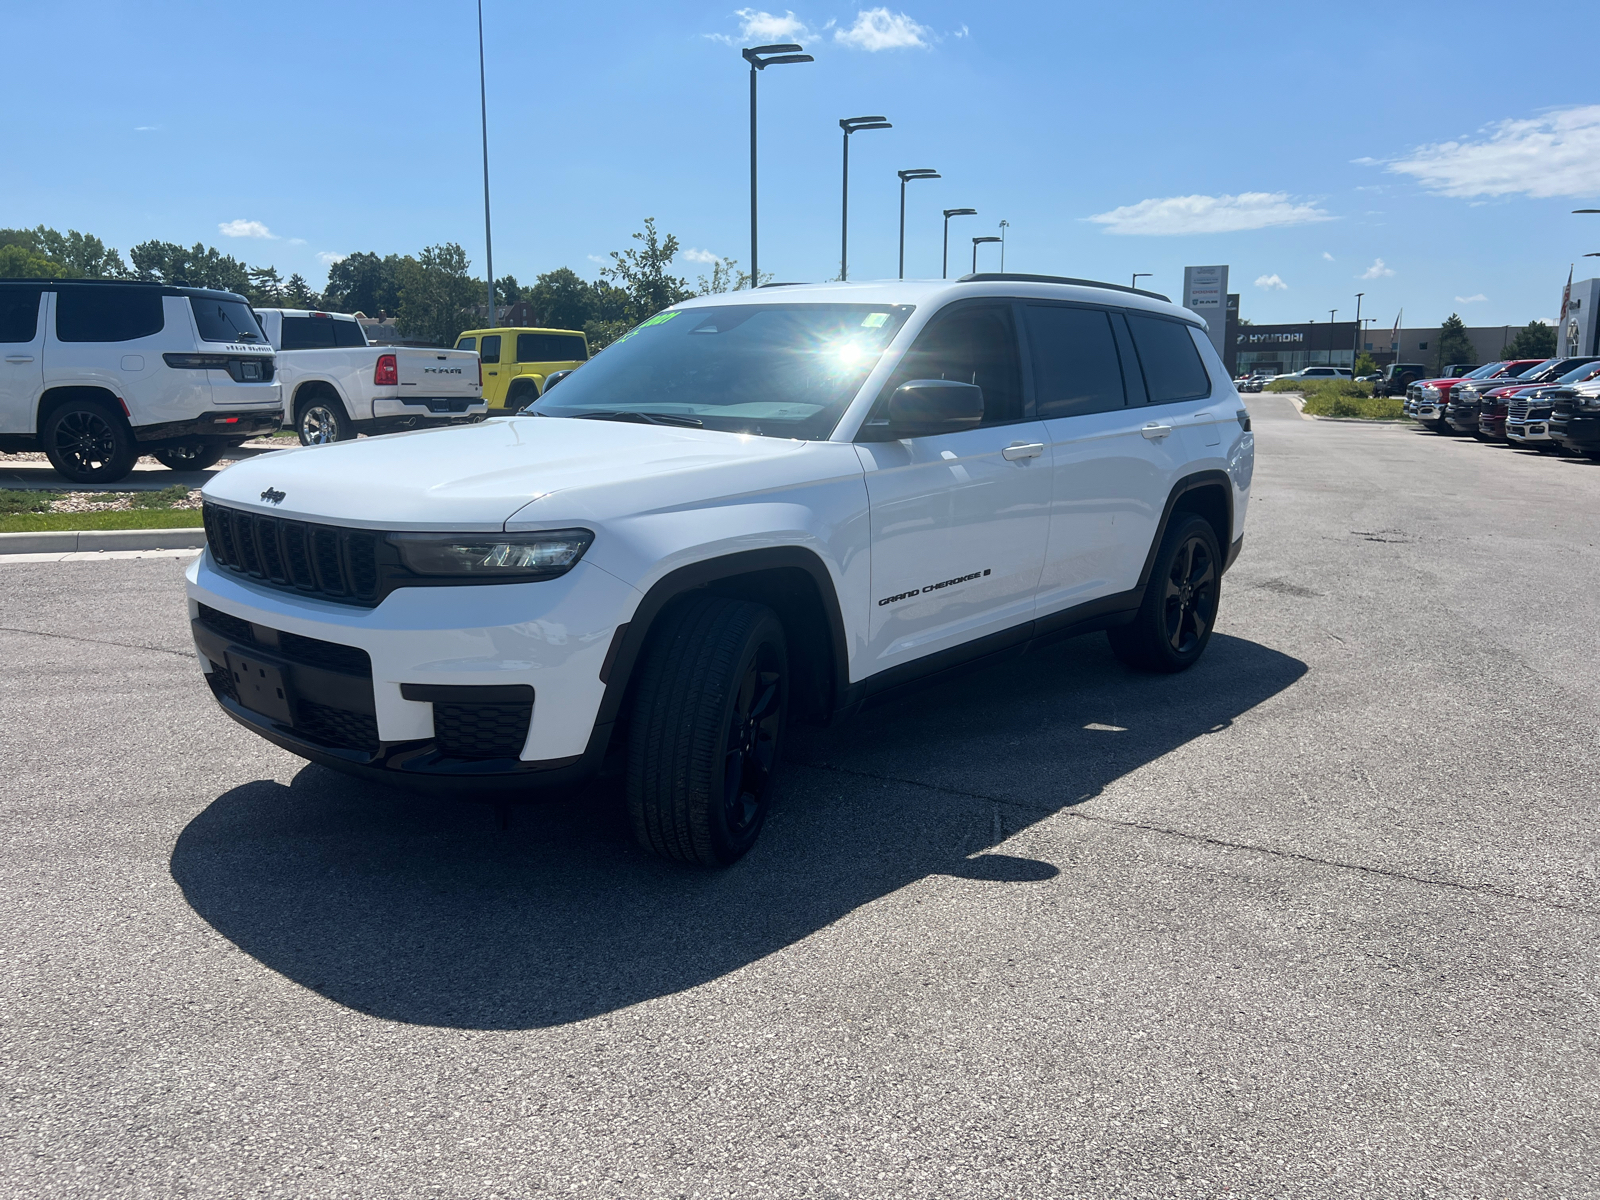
column 1427, row 399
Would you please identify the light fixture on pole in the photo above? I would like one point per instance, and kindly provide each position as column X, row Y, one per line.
column 1355, row 346
column 905, row 178
column 1138, row 275
column 1004, row 225
column 976, row 242
column 850, row 125
column 760, row 58
column 483, row 112
column 944, row 271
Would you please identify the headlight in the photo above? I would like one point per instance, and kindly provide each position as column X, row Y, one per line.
column 1431, row 391
column 531, row 556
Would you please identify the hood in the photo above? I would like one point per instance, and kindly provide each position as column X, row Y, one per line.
column 473, row 477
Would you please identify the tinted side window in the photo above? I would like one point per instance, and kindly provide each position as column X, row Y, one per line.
column 307, row 333
column 19, row 312
column 971, row 345
column 347, row 333
column 470, row 343
column 1075, row 364
column 107, row 314
column 550, row 347
column 1172, row 366
column 490, row 353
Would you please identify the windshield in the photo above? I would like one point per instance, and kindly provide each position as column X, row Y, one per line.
column 1487, row 371
column 225, row 320
column 1530, row 372
column 777, row 370
column 1581, row 374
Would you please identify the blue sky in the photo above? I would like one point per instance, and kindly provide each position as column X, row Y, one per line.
column 1322, row 150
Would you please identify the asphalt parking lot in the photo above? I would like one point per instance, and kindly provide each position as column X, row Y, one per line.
column 1317, row 918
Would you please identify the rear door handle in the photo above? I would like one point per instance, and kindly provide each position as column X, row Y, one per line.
column 1156, row 431
column 19, row 358
column 1023, row 450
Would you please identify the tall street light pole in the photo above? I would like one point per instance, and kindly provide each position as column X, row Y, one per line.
column 850, row 125
column 483, row 112
column 906, row 177
column 1355, row 346
column 976, row 242
column 944, row 272
column 1004, row 225
column 1332, row 312
column 1138, row 275
column 760, row 58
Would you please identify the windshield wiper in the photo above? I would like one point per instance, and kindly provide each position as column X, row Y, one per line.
column 642, row 418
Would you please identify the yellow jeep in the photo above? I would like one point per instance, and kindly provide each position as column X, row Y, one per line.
column 516, row 362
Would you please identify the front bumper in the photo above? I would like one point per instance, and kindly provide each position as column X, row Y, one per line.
column 365, row 697
column 1462, row 420
column 1424, row 411
column 1581, row 431
column 1528, row 432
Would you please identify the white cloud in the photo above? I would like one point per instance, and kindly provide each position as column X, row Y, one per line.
column 295, row 242
column 1271, row 282
column 145, row 128
column 327, row 257
column 245, row 229
column 1376, row 271
column 963, row 32
column 758, row 28
column 879, row 29
column 1327, row 256
column 702, row 256
column 1210, row 214
column 1480, row 298
column 1557, row 154
column 594, row 258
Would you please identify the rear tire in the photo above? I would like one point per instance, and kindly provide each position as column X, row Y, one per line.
column 88, row 443
column 706, row 730
column 522, row 394
column 1179, row 610
column 196, row 457
column 321, row 420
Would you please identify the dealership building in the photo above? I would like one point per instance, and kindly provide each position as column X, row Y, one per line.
column 1280, row 349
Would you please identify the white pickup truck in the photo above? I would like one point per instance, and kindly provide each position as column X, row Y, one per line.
column 336, row 386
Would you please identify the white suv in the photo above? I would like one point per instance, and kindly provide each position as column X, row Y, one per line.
column 752, row 507
column 98, row 372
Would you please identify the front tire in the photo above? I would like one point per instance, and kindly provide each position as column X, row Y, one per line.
column 321, row 420
column 706, row 730
column 1179, row 611
column 88, row 443
column 195, row 457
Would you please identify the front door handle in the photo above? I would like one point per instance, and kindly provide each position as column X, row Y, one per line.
column 19, row 358
column 1154, row 432
column 1023, row 450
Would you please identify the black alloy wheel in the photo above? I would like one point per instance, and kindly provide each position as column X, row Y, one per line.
column 705, row 729
column 87, row 443
column 1179, row 611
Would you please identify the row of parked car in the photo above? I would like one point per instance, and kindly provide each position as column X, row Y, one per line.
column 96, row 373
column 1550, row 404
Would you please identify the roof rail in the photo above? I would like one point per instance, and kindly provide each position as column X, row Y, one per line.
column 1011, row 277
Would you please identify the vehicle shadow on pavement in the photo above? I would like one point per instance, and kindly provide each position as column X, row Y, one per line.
column 427, row 912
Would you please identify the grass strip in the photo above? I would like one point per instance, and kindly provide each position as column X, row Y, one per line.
column 149, row 518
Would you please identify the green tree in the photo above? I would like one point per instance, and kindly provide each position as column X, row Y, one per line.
column 562, row 299
column 365, row 283
column 437, row 295
column 199, row 266
column 612, row 315
column 76, row 254
column 266, row 288
column 724, row 278
column 1454, row 345
column 21, row 262
column 1365, row 364
column 297, row 293
column 1533, row 340
column 642, row 274
column 507, row 290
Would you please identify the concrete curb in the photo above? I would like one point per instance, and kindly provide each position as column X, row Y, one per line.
column 69, row 541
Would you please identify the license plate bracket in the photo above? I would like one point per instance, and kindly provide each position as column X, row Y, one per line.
column 260, row 685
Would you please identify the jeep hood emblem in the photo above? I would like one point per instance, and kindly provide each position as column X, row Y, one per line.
column 273, row 495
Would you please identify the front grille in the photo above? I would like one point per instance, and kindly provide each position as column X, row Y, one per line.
column 320, row 560
column 1517, row 410
column 312, row 652
column 476, row 730
column 221, row 681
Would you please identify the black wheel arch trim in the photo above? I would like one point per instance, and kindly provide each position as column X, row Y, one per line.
column 1191, row 483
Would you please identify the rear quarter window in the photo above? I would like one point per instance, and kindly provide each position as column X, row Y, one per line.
column 550, row 347
column 108, row 314
column 19, row 313
column 470, row 343
column 225, row 320
column 1172, row 367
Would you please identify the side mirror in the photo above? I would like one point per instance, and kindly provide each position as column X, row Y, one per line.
column 928, row 406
